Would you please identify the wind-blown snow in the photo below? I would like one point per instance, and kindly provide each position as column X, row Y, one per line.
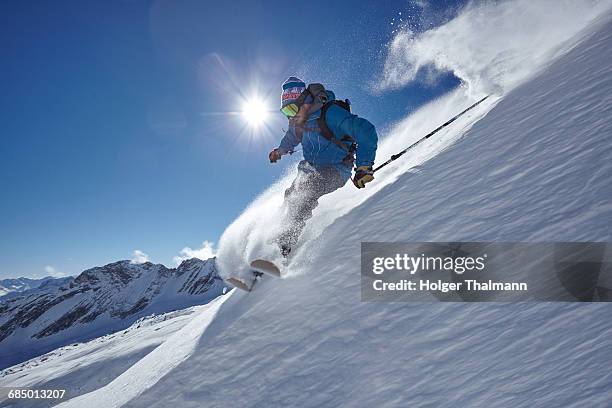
column 491, row 46
column 534, row 164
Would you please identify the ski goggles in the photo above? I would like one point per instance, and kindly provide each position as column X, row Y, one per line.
column 290, row 110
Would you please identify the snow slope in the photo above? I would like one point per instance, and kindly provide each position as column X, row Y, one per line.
column 494, row 48
column 82, row 367
column 532, row 165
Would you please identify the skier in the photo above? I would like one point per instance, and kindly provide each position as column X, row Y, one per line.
column 333, row 140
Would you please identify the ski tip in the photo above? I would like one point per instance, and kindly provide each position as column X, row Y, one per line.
column 267, row 267
column 238, row 284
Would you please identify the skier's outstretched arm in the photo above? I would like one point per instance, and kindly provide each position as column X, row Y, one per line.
column 289, row 141
column 287, row 145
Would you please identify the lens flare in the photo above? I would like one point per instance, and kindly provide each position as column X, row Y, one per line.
column 255, row 112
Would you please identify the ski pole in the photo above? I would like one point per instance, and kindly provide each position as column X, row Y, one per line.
column 427, row 136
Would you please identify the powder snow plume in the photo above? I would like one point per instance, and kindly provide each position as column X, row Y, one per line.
column 492, row 47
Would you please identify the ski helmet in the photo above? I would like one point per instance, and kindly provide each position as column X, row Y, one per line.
column 291, row 90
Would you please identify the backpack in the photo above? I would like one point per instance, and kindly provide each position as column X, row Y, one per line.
column 326, row 131
column 320, row 101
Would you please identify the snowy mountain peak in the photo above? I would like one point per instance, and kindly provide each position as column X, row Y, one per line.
column 120, row 272
column 98, row 301
column 189, row 264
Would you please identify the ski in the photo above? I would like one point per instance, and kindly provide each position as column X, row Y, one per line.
column 267, row 267
column 240, row 284
column 259, row 267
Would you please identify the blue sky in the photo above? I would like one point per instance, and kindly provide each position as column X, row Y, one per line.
column 117, row 132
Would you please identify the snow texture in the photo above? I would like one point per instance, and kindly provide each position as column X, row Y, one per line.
column 83, row 367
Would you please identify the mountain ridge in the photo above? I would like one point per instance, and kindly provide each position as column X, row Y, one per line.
column 15, row 286
column 98, row 301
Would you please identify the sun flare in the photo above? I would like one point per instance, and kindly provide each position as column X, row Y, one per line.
column 255, row 112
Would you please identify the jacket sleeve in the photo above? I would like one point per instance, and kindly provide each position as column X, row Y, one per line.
column 288, row 142
column 364, row 134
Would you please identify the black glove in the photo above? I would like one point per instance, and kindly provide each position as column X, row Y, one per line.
column 363, row 175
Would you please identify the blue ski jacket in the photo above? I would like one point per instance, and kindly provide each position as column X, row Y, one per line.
column 319, row 151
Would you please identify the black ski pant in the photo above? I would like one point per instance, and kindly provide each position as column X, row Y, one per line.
column 310, row 184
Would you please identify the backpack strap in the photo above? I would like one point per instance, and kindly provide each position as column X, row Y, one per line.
column 326, row 131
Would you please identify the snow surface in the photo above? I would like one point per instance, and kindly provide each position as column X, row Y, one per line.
column 82, row 367
column 532, row 164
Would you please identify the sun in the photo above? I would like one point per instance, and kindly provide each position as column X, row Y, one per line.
column 255, row 112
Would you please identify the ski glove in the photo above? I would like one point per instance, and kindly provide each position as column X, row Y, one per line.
column 274, row 156
column 363, row 175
